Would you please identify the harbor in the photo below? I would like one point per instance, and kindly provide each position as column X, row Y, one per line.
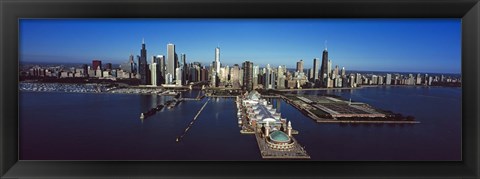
column 274, row 134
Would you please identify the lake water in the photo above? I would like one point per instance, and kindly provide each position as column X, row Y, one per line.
column 86, row 126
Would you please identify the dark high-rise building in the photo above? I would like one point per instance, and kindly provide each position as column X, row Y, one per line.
column 161, row 68
column 133, row 65
column 204, row 74
column 143, row 65
column 85, row 70
column 324, row 69
column 247, row 75
column 185, row 69
column 108, row 66
column 96, row 64
column 315, row 69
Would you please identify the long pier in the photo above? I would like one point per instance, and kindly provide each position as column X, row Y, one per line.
column 311, row 115
column 191, row 123
column 301, row 109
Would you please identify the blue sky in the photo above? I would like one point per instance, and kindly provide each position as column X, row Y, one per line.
column 402, row 45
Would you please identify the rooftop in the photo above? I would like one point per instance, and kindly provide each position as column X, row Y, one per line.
column 279, row 136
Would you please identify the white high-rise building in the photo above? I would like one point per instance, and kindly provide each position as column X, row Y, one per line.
column 267, row 77
column 315, row 69
column 217, row 60
column 256, row 71
column 281, row 77
column 419, row 79
column 389, row 79
column 171, row 62
column 153, row 70
column 178, row 78
column 168, row 78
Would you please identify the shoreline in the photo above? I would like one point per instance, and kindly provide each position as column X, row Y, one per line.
column 368, row 122
column 31, row 91
column 362, row 87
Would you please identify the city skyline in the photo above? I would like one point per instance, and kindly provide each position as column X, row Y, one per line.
column 436, row 58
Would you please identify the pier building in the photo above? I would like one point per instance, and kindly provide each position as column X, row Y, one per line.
column 272, row 132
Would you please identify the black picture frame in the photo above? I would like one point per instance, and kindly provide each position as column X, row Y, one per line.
column 11, row 11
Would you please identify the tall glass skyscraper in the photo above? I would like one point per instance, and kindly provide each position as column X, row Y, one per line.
column 315, row 69
column 142, row 65
column 324, row 69
column 247, row 75
column 171, row 63
column 217, row 60
column 185, row 69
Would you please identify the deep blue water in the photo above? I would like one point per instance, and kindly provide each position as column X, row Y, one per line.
column 83, row 126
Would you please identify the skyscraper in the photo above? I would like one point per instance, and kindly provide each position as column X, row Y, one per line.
column 133, row 65
column 171, row 63
column 178, row 79
column 154, row 76
column 96, row 64
column 324, row 69
column 108, row 66
column 335, row 72
column 329, row 69
column 256, row 73
column 281, row 77
column 161, row 68
column 300, row 66
column 217, row 60
column 143, row 65
column 184, row 69
column 235, row 75
column 267, row 76
column 247, row 75
column 389, row 79
column 315, row 69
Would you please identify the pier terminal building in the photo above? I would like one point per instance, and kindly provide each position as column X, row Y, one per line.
column 265, row 121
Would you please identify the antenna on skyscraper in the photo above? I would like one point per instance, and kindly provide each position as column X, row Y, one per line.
column 325, row 44
column 143, row 40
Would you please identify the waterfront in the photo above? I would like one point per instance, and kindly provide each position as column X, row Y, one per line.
column 83, row 126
